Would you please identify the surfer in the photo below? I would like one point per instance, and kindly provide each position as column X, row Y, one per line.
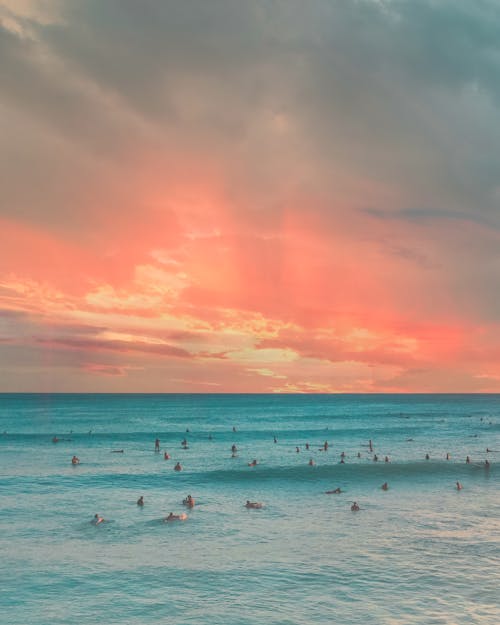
column 189, row 502
column 175, row 517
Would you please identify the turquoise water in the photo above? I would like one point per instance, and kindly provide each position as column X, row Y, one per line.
column 420, row 553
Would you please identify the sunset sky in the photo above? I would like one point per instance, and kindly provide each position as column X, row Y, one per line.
column 250, row 196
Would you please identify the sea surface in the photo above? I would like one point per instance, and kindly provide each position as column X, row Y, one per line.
column 421, row 552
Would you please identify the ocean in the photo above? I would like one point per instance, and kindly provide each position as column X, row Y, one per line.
column 421, row 552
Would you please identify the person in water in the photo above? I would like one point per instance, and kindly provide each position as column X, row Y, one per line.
column 311, row 462
column 178, row 467
column 157, row 445
column 97, row 519
column 385, row 486
column 234, row 449
column 297, row 450
column 467, row 460
column 337, row 491
column 459, row 486
column 175, row 517
column 189, row 502
column 75, row 460
column 166, row 456
column 386, row 459
column 253, row 504
column 307, row 446
column 354, row 506
column 253, row 463
column 427, row 457
column 140, row 501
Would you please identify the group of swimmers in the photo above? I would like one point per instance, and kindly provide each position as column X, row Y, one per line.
column 189, row 501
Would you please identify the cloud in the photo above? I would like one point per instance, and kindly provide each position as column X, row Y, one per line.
column 247, row 187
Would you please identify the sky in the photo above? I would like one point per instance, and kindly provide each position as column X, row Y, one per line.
column 274, row 196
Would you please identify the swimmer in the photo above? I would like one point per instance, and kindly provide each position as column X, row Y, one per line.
column 178, row 467
column 166, row 456
column 311, row 462
column 175, row 517
column 97, row 520
column 140, row 501
column 253, row 504
column 337, row 491
column 75, row 460
column 385, row 486
column 354, row 507
column 189, row 502
column 253, row 463
column 459, row 486
column 157, row 445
